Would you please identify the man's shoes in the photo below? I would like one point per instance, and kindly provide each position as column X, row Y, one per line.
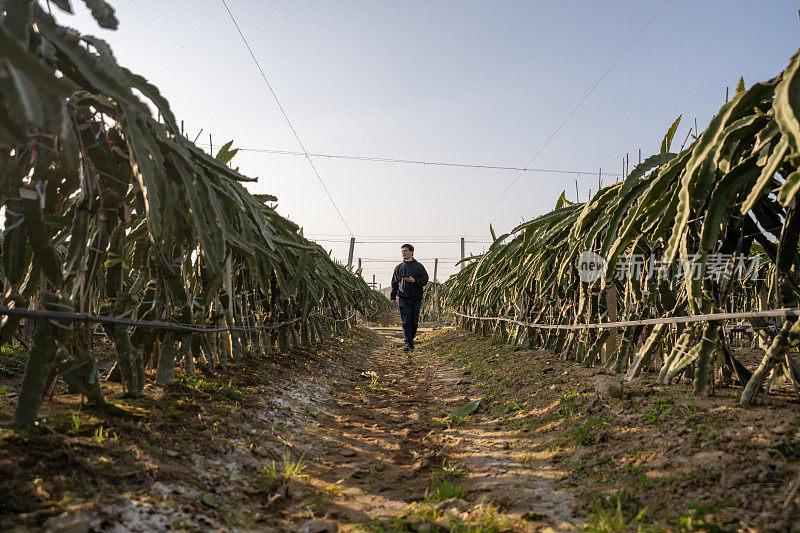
column 407, row 348
column 410, row 346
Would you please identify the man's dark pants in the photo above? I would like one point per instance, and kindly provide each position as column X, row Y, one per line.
column 409, row 314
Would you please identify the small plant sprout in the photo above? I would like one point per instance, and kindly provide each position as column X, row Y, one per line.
column 76, row 420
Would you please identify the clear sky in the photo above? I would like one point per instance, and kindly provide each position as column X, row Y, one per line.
column 484, row 82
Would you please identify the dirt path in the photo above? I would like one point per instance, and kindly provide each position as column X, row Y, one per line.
column 387, row 456
column 353, row 435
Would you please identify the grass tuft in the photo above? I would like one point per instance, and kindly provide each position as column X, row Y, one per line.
column 273, row 475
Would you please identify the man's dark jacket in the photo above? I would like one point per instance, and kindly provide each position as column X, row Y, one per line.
column 405, row 289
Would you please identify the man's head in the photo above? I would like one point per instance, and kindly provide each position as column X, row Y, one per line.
column 408, row 252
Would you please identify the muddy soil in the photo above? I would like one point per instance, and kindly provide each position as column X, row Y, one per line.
column 356, row 435
column 636, row 454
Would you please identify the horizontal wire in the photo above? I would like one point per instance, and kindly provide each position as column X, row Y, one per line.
column 789, row 312
column 307, row 234
column 571, row 113
column 285, row 116
column 420, row 162
column 441, row 262
column 395, row 242
column 151, row 324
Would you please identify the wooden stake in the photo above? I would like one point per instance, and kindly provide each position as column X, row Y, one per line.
column 462, row 252
column 214, row 341
column 599, row 179
column 577, row 197
column 435, row 290
column 231, row 353
column 726, row 94
column 229, row 285
column 763, row 305
column 210, row 146
column 350, row 253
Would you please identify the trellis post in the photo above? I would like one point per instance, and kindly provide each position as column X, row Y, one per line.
column 435, row 289
column 350, row 253
column 611, row 304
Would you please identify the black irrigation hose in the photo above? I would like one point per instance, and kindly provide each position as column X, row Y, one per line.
column 667, row 320
column 85, row 317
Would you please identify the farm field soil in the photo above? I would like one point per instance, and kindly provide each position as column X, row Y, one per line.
column 354, row 434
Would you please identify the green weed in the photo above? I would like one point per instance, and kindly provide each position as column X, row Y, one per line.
column 101, row 435
column 375, row 386
column 790, row 450
column 12, row 358
column 448, row 472
column 209, row 387
column 336, row 488
column 273, row 475
column 616, row 512
column 700, row 518
column 705, row 433
column 568, row 404
column 76, row 420
column 446, row 489
column 658, row 412
column 375, row 474
column 547, row 448
column 588, row 432
column 512, row 407
column 483, row 518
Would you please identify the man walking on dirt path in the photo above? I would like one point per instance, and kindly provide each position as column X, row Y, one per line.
column 408, row 280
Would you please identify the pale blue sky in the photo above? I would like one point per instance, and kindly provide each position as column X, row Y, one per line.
column 483, row 82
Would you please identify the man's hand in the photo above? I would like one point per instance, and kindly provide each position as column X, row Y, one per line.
column 409, row 279
column 394, row 303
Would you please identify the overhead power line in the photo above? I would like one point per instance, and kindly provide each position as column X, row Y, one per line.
column 418, row 162
column 442, row 260
column 398, row 241
column 394, row 236
column 285, row 116
column 547, row 142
